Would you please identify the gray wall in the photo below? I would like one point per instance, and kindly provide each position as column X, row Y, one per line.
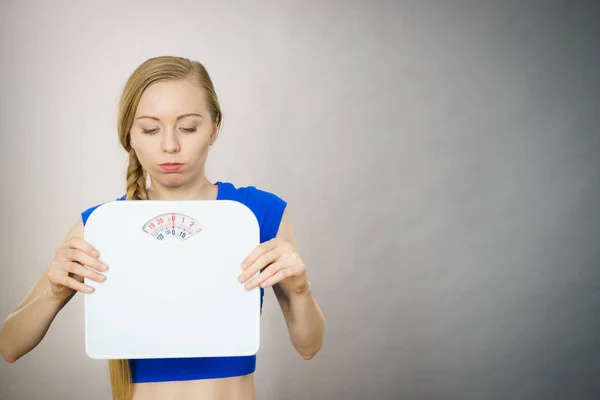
column 440, row 158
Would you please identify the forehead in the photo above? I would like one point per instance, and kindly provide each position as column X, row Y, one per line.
column 169, row 99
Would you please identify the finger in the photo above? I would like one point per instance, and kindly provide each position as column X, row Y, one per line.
column 261, row 262
column 261, row 249
column 79, row 243
column 59, row 277
column 80, row 270
column 293, row 266
column 74, row 284
column 75, row 254
column 281, row 275
column 267, row 273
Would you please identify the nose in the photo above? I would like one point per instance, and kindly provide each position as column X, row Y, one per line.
column 170, row 142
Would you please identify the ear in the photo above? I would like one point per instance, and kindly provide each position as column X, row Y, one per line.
column 214, row 134
column 132, row 141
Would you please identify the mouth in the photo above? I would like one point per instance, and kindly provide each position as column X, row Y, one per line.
column 171, row 167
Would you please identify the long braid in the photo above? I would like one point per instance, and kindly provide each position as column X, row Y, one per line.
column 120, row 371
column 120, row 375
column 136, row 179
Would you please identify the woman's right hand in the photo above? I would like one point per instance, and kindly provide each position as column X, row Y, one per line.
column 70, row 265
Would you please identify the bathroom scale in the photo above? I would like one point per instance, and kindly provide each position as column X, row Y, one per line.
column 172, row 289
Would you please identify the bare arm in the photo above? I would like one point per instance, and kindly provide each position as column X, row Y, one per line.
column 282, row 268
column 26, row 326
column 303, row 317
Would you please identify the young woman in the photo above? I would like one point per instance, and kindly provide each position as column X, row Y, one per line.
column 169, row 117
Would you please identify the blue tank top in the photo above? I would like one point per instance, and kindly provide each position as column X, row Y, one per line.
column 268, row 209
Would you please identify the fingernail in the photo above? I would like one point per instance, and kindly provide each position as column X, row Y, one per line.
column 90, row 289
column 241, row 278
column 243, row 265
column 96, row 254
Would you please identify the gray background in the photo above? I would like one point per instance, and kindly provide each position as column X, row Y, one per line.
column 440, row 159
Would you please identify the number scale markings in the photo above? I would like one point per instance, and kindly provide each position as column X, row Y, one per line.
column 172, row 226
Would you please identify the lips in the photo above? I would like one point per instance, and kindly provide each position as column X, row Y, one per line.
column 171, row 167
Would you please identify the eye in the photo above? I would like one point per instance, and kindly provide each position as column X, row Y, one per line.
column 149, row 132
column 189, row 130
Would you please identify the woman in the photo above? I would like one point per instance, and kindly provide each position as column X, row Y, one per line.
column 169, row 114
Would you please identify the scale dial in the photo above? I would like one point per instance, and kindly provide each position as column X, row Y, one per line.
column 171, row 226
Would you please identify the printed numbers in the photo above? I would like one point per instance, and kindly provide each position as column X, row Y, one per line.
column 169, row 226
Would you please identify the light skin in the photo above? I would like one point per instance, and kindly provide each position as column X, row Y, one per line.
column 173, row 124
column 172, row 136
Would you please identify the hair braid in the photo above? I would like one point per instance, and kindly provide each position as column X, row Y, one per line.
column 136, row 179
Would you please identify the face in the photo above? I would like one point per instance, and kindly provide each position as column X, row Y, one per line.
column 172, row 124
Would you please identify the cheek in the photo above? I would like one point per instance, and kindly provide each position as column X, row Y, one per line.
column 140, row 143
column 195, row 146
column 144, row 154
column 136, row 142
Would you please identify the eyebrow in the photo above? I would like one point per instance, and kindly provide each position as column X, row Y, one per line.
column 178, row 118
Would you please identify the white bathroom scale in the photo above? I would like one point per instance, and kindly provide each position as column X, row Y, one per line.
column 172, row 286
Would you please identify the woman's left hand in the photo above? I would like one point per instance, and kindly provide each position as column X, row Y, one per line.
column 279, row 262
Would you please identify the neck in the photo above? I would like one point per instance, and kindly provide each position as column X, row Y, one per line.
column 200, row 190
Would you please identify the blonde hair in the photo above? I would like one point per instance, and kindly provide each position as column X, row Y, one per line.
column 151, row 71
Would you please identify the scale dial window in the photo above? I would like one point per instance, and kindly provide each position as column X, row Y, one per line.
column 172, row 226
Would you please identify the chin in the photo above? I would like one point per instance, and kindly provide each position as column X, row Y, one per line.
column 172, row 180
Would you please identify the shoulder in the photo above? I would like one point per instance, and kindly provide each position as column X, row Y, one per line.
column 251, row 195
column 85, row 214
column 265, row 199
column 267, row 206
